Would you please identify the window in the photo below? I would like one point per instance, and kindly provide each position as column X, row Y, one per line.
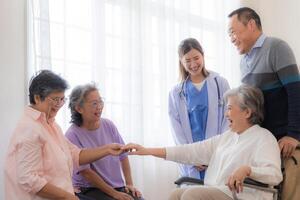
column 128, row 47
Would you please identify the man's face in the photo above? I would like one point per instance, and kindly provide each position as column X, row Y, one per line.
column 241, row 35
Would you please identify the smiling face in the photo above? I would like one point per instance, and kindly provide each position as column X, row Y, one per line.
column 238, row 118
column 51, row 104
column 243, row 36
column 193, row 63
column 91, row 109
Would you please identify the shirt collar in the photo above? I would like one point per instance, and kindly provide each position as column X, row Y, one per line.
column 248, row 132
column 37, row 115
column 258, row 44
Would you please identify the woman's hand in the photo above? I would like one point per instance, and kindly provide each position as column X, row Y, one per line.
column 122, row 196
column 134, row 191
column 236, row 180
column 114, row 149
column 134, row 149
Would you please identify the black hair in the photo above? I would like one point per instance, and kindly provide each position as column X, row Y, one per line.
column 245, row 14
column 45, row 82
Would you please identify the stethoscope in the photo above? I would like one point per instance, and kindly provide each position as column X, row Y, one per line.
column 182, row 93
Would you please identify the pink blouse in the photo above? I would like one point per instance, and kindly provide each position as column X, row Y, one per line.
column 38, row 153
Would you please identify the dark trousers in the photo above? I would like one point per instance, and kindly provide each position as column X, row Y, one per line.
column 97, row 194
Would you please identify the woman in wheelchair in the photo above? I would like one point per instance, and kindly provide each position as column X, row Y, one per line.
column 246, row 150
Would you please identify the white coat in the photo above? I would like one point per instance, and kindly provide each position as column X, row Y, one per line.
column 178, row 114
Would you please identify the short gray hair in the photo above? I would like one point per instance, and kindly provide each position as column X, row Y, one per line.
column 251, row 98
column 45, row 82
column 77, row 97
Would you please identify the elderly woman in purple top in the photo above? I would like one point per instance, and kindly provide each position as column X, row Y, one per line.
column 101, row 179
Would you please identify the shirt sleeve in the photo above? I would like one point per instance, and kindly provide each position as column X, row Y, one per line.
column 75, row 152
column 267, row 163
column 29, row 163
column 176, row 126
column 75, row 149
column 195, row 154
column 284, row 63
column 224, row 121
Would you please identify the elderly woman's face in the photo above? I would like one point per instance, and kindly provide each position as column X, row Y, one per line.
column 51, row 104
column 92, row 107
column 238, row 118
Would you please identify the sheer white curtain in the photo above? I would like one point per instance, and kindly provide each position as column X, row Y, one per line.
column 129, row 47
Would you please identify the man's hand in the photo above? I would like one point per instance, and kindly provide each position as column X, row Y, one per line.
column 287, row 146
column 236, row 179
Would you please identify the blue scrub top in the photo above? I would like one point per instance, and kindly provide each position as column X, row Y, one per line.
column 197, row 104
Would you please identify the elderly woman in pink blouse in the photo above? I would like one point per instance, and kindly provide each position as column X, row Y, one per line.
column 40, row 159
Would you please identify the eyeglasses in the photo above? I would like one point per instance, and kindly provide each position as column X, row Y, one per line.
column 96, row 103
column 232, row 35
column 58, row 101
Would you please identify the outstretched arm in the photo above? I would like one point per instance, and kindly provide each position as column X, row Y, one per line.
column 136, row 149
column 89, row 155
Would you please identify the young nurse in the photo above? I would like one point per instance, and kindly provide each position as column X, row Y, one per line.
column 196, row 110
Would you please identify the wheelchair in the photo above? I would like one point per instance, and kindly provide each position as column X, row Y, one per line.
column 250, row 183
column 276, row 191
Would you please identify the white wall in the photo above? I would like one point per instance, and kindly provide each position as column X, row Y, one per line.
column 280, row 19
column 12, row 65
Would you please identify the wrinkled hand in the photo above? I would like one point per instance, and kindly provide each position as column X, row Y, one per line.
column 122, row 196
column 287, row 146
column 135, row 192
column 114, row 148
column 236, row 180
column 201, row 167
column 134, row 149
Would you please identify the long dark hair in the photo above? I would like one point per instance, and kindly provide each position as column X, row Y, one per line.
column 184, row 47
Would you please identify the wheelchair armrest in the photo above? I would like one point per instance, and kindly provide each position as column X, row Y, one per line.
column 188, row 180
column 248, row 182
column 254, row 182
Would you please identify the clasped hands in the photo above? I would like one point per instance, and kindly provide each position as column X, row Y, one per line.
column 132, row 149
